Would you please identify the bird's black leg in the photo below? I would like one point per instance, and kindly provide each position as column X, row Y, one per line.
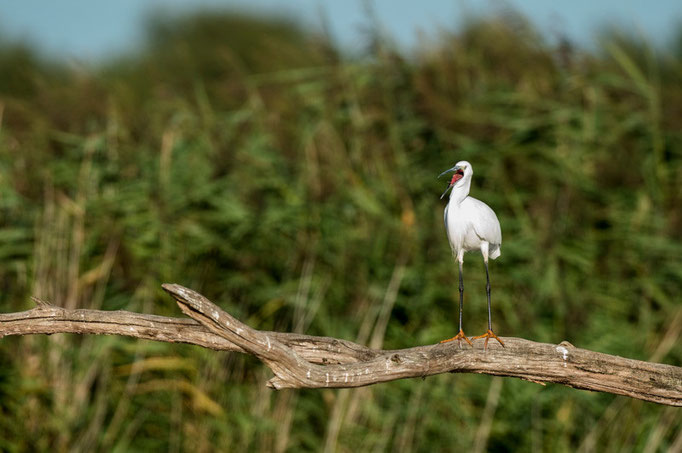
column 487, row 291
column 461, row 296
column 489, row 334
column 460, row 335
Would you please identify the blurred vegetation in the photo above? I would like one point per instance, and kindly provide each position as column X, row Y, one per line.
column 252, row 161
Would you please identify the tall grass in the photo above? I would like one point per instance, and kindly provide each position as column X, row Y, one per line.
column 296, row 188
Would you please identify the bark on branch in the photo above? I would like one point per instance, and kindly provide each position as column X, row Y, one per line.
column 299, row 361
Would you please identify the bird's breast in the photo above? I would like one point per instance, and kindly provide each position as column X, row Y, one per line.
column 461, row 232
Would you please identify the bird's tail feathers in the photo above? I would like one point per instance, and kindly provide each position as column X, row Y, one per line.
column 495, row 252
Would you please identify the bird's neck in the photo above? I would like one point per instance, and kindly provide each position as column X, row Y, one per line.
column 460, row 192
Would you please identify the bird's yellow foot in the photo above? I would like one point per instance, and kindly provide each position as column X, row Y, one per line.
column 459, row 337
column 488, row 335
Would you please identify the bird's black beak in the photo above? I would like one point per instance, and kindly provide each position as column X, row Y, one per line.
column 446, row 190
column 448, row 170
column 455, row 168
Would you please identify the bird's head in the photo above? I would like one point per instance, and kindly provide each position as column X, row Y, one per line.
column 461, row 170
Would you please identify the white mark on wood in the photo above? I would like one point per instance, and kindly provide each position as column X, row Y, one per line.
column 564, row 353
column 214, row 315
column 308, row 374
column 270, row 346
column 346, row 379
column 327, row 381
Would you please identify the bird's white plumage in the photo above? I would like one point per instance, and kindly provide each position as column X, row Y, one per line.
column 471, row 225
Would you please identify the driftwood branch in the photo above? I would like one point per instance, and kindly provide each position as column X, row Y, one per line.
column 321, row 362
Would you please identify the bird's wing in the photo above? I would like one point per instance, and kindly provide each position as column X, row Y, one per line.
column 485, row 222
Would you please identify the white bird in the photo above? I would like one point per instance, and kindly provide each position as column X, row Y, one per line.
column 471, row 226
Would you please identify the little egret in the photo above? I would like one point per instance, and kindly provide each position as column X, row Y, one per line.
column 471, row 225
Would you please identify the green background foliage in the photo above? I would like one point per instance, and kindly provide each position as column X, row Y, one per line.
column 296, row 187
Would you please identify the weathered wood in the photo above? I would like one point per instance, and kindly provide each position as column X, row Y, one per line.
column 47, row 319
column 322, row 362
